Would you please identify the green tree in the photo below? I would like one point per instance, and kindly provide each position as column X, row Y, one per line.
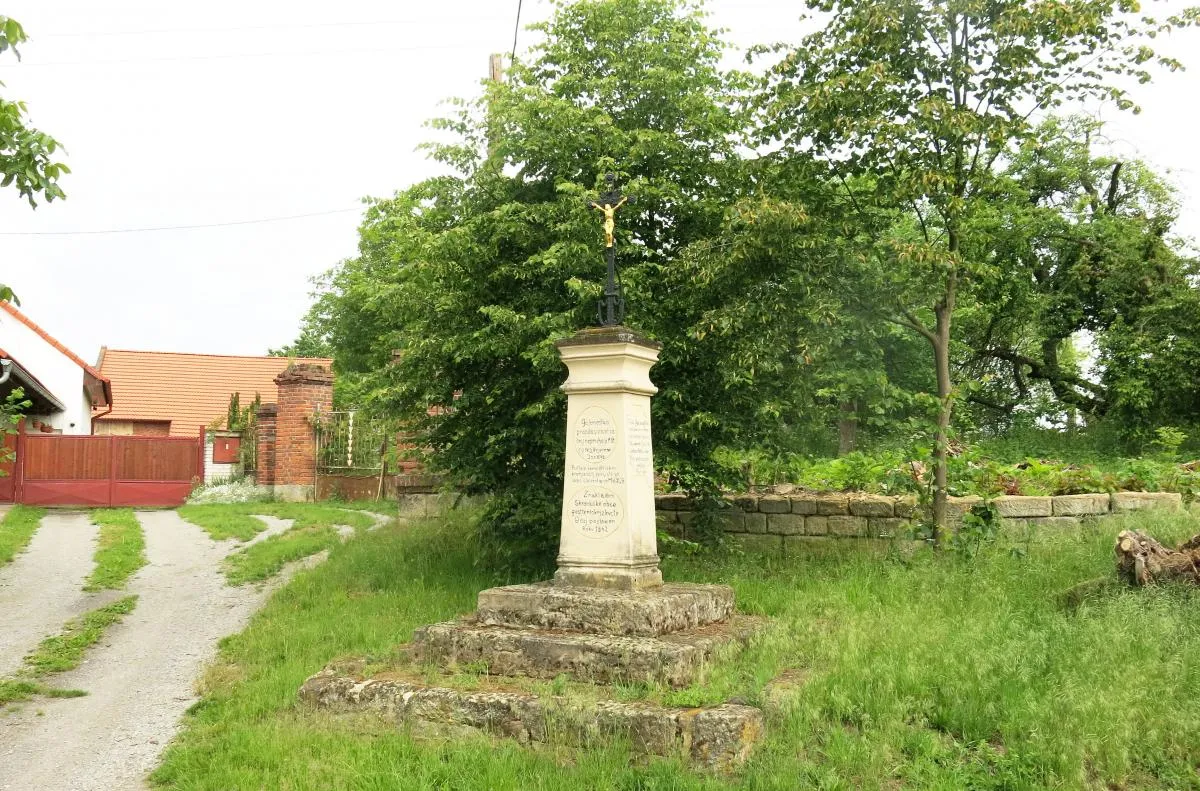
column 464, row 282
column 1087, row 249
column 915, row 106
column 26, row 154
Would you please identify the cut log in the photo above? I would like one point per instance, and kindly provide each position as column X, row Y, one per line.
column 1143, row 561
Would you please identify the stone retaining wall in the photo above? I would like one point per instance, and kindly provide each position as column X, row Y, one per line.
column 767, row 521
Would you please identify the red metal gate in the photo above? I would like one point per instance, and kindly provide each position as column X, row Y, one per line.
column 56, row 469
column 9, row 448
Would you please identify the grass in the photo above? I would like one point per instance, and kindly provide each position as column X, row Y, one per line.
column 926, row 672
column 236, row 520
column 312, row 531
column 121, row 551
column 65, row 650
column 62, row 652
column 226, row 521
column 17, row 529
column 266, row 558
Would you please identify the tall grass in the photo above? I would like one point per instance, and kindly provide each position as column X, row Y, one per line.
column 922, row 672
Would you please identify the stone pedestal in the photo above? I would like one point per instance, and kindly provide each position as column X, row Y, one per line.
column 608, row 525
column 606, row 618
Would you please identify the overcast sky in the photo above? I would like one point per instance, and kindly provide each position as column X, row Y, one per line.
column 272, row 108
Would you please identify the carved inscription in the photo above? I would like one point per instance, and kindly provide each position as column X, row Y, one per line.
column 595, row 435
column 595, row 511
column 603, row 474
column 637, row 442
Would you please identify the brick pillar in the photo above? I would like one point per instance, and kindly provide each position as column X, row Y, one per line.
column 264, row 450
column 304, row 390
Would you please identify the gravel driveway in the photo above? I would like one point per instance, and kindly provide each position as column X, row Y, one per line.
column 140, row 677
column 42, row 588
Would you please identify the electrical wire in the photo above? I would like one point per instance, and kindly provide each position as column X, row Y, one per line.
column 284, row 218
column 320, row 53
column 302, row 26
column 516, row 30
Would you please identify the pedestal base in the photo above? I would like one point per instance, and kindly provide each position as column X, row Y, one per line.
column 668, row 608
column 613, row 577
column 676, row 659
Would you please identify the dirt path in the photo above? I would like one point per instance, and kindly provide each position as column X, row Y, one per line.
column 140, row 678
column 42, row 588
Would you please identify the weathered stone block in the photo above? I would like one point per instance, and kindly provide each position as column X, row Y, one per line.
column 756, row 523
column 907, row 507
column 1125, row 502
column 746, row 502
column 1053, row 522
column 723, row 736
column 832, row 504
column 804, row 504
column 774, row 504
column 872, row 505
column 1080, row 504
column 816, row 525
column 887, row 527
column 670, row 608
column 785, row 524
column 673, row 659
column 848, row 525
column 759, row 544
column 733, row 521
column 717, row 737
column 668, row 502
column 958, row 507
column 1020, row 507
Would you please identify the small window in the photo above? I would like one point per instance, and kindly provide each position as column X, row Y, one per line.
column 225, row 449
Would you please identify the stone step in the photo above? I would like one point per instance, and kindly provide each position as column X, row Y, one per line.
column 675, row 659
column 673, row 607
column 717, row 737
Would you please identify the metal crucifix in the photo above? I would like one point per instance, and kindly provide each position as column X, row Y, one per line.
column 611, row 309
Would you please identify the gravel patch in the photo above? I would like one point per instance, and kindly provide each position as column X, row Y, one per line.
column 42, row 588
column 140, row 677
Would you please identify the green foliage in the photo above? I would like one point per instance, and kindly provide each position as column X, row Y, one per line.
column 914, row 108
column 121, row 549
column 17, row 529
column 26, row 154
column 977, row 470
column 464, row 282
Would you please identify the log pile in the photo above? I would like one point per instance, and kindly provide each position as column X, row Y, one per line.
column 1143, row 561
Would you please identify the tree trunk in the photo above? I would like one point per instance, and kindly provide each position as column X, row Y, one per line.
column 847, row 427
column 941, row 354
column 1143, row 561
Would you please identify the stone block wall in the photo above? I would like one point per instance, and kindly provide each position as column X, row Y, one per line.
column 769, row 521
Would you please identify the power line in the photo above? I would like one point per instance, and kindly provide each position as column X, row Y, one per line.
column 313, row 53
column 299, row 26
column 516, row 30
column 181, row 227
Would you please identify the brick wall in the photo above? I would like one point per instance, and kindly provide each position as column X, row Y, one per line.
column 770, row 521
column 286, row 454
column 264, row 454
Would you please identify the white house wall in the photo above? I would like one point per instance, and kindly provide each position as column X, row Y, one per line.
column 61, row 375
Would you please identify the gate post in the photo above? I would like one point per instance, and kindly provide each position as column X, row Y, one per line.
column 305, row 390
column 264, row 447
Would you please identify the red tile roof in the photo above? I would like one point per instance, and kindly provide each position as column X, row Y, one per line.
column 190, row 390
column 100, row 392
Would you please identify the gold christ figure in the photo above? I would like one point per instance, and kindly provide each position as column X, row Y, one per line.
column 610, row 222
